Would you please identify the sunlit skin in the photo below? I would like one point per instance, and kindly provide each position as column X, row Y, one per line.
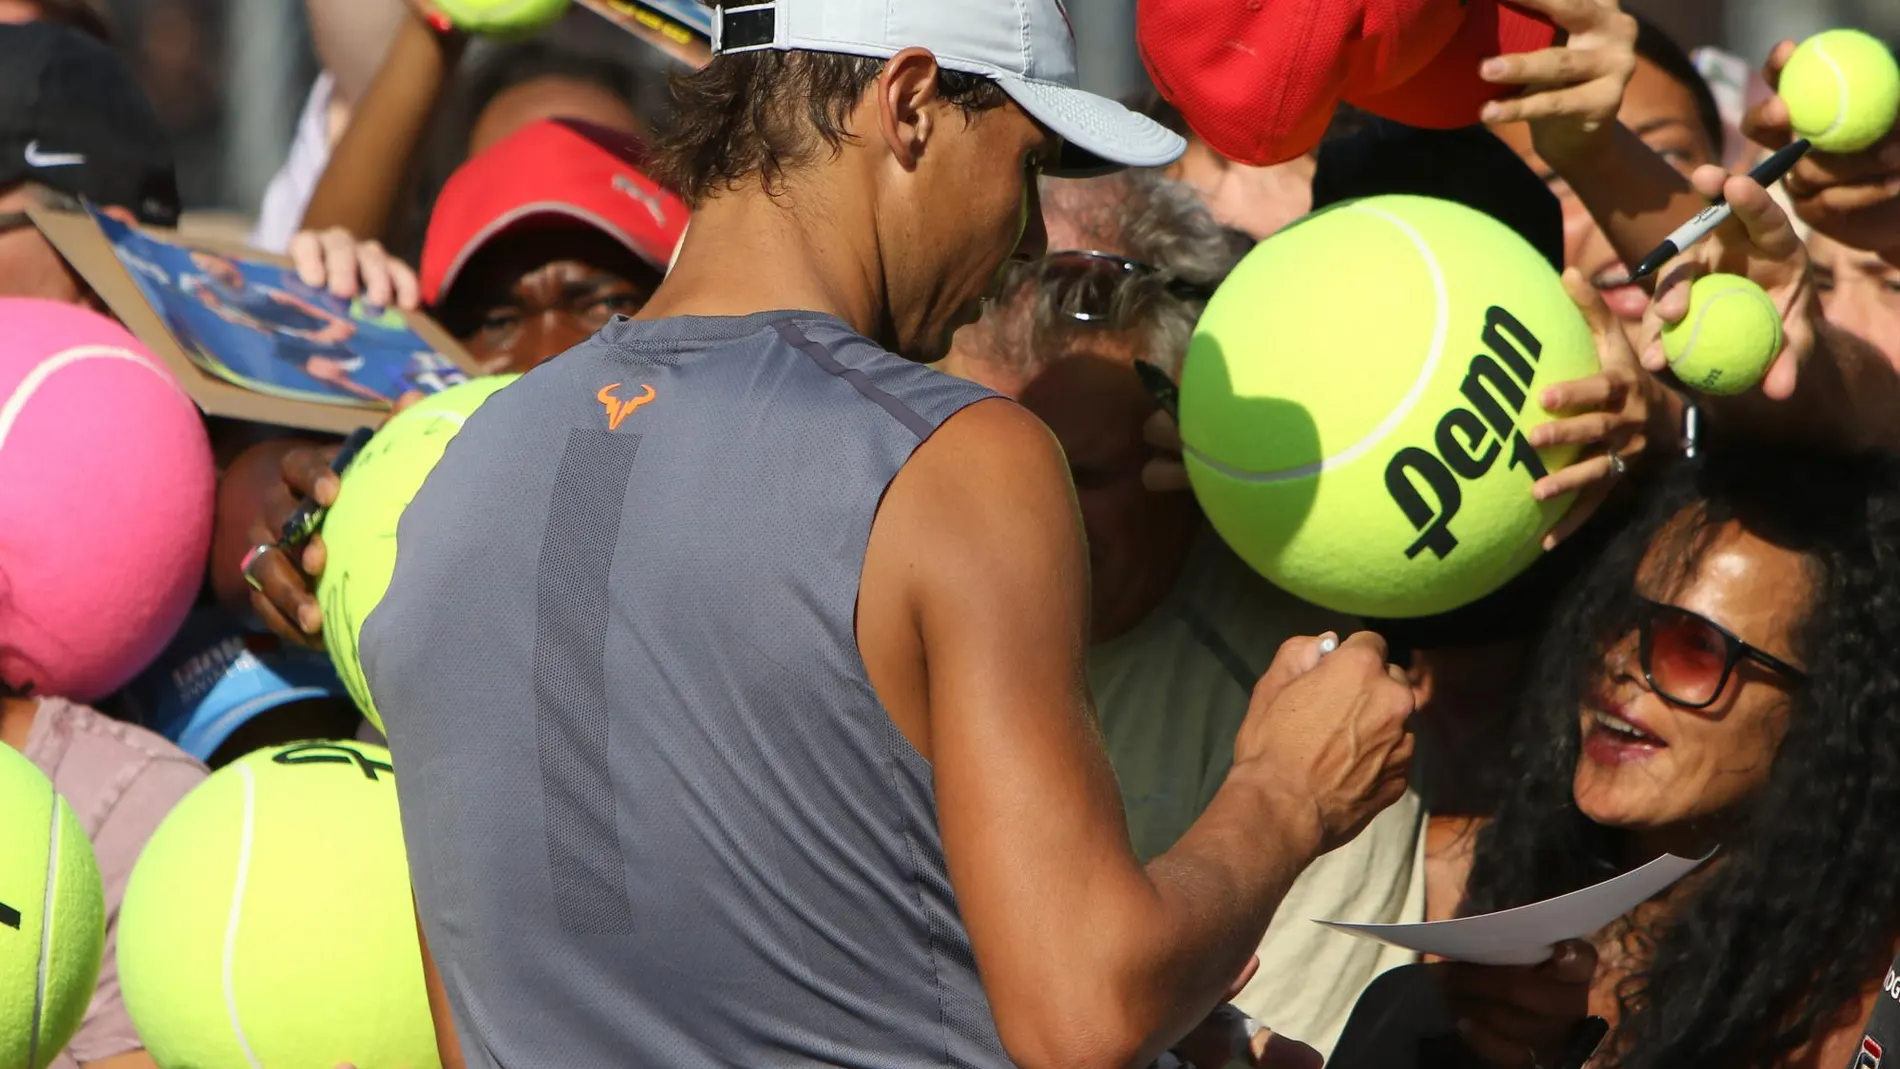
column 1860, row 292
column 945, row 238
column 550, row 97
column 1674, row 788
column 1257, row 200
column 1663, row 113
column 1089, row 396
column 530, row 296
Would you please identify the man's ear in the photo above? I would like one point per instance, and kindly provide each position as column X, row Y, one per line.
column 905, row 90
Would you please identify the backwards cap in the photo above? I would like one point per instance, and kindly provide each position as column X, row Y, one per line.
column 1027, row 47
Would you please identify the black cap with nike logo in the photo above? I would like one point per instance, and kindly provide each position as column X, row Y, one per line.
column 73, row 119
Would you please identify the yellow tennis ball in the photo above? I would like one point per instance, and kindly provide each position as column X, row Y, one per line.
column 52, row 917
column 269, row 920
column 359, row 533
column 1843, row 90
column 502, row 18
column 1355, row 401
column 1728, row 339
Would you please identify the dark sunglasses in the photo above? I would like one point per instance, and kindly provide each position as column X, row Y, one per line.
column 1688, row 659
column 1087, row 282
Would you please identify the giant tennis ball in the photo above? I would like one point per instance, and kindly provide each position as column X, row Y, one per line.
column 106, row 494
column 269, row 920
column 1355, row 401
column 359, row 533
column 502, row 18
column 52, row 917
column 1728, row 339
column 1842, row 89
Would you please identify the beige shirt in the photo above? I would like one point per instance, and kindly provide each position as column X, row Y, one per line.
column 120, row 781
column 1172, row 694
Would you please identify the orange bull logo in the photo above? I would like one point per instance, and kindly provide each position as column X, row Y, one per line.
column 617, row 409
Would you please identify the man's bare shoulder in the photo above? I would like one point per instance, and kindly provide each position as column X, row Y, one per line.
column 990, row 469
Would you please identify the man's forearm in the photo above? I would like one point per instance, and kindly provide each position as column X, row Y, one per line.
column 1634, row 195
column 1253, row 841
column 359, row 188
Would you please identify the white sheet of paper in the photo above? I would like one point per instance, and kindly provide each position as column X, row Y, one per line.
column 1529, row 934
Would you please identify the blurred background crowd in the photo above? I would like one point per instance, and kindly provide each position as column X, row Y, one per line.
column 230, row 77
column 1727, row 617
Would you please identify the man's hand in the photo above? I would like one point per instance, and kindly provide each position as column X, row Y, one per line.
column 1622, row 411
column 334, row 260
column 1222, row 1040
column 1516, row 1018
column 1328, row 729
column 286, row 604
column 1758, row 243
column 1572, row 91
column 1853, row 198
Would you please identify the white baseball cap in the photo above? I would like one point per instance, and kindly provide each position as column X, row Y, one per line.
column 1026, row 46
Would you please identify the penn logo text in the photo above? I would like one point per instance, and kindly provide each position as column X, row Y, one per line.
column 1426, row 483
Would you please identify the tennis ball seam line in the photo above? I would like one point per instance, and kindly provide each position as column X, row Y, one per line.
column 245, row 834
column 37, row 377
column 48, row 902
column 1702, row 316
column 1840, row 89
column 1428, row 369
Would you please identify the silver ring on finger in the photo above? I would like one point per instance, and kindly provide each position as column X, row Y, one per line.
column 249, row 565
column 1618, row 466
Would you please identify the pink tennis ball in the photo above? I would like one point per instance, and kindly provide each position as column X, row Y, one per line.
column 106, row 490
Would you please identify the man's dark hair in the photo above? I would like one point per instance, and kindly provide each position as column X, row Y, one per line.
column 761, row 114
column 1659, row 48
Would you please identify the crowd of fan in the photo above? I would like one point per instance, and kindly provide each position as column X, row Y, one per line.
column 1780, row 530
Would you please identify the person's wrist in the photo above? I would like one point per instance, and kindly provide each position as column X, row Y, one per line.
column 1284, row 811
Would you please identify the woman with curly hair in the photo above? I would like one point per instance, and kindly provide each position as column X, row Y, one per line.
column 1725, row 678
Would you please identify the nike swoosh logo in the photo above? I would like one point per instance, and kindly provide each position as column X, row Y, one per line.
column 36, row 158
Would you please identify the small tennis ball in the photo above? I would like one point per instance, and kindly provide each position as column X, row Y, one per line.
column 269, row 921
column 359, row 533
column 502, row 18
column 1842, row 89
column 1728, row 339
column 1355, row 401
column 52, row 917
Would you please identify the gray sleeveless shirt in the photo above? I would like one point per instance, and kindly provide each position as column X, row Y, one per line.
column 655, row 813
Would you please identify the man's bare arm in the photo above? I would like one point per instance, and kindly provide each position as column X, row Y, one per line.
column 447, row 1045
column 1087, row 957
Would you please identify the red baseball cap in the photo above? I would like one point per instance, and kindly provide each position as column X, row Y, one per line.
column 559, row 171
column 1448, row 93
column 1259, row 80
